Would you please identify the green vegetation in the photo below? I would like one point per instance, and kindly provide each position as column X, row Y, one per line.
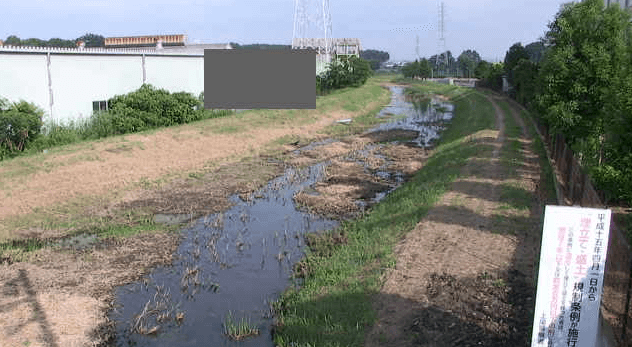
column 343, row 267
column 343, row 72
column 239, row 330
column 417, row 68
column 577, row 80
column 143, row 109
column 20, row 124
column 90, row 40
column 21, row 250
column 374, row 57
column 547, row 178
column 70, row 218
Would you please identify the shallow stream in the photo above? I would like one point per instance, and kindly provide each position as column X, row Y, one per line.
column 238, row 261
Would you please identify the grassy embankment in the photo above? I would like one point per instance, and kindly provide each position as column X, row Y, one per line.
column 71, row 217
column 344, row 267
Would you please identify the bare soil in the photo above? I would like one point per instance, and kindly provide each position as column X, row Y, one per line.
column 464, row 275
column 61, row 297
column 349, row 177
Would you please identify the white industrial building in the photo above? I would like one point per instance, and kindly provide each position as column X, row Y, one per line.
column 69, row 83
column 338, row 46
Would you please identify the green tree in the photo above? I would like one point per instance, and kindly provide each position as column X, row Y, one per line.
column 586, row 89
column 13, row 41
column 92, row 40
column 492, row 77
column 375, row 64
column 512, row 58
column 535, row 51
column 525, row 75
column 444, row 63
column 482, row 69
column 467, row 62
column 373, row 54
column 33, row 42
column 56, row 42
column 424, row 68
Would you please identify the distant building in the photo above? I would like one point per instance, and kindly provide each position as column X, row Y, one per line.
column 167, row 43
column 145, row 41
column 1, row 43
column 340, row 46
column 72, row 83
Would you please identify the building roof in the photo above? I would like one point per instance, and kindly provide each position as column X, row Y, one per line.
column 96, row 51
column 195, row 48
column 145, row 40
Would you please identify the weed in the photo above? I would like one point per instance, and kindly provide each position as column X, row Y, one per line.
column 516, row 197
column 239, row 330
column 499, row 283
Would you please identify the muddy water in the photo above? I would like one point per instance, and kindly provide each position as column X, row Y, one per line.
column 236, row 261
column 240, row 260
column 425, row 116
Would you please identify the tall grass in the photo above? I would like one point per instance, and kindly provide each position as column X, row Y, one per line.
column 100, row 125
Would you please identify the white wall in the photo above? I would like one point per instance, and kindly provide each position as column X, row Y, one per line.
column 24, row 77
column 78, row 80
column 176, row 73
column 80, row 77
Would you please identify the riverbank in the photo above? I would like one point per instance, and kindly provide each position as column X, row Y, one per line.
column 453, row 250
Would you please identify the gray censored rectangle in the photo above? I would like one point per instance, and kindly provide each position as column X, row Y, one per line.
column 259, row 79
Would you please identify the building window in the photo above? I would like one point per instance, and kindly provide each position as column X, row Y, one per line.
column 99, row 106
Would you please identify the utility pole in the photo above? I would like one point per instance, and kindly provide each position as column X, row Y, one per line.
column 417, row 48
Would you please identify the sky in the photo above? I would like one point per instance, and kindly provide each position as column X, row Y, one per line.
column 488, row 26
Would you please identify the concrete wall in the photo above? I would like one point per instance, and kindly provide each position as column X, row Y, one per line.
column 65, row 82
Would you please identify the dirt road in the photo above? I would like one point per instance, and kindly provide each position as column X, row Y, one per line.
column 464, row 275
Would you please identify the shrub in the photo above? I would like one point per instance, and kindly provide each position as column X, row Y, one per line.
column 20, row 124
column 342, row 72
column 155, row 107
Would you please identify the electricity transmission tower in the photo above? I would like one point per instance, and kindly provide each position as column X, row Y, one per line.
column 417, row 48
column 312, row 26
column 441, row 43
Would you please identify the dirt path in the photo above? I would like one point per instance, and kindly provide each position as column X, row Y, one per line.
column 464, row 274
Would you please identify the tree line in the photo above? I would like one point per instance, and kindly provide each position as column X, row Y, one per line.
column 468, row 64
column 578, row 80
column 90, row 40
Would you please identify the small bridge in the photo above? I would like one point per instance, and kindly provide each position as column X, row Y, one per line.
column 463, row 82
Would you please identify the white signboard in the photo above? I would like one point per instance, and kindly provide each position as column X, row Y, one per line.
column 570, row 282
